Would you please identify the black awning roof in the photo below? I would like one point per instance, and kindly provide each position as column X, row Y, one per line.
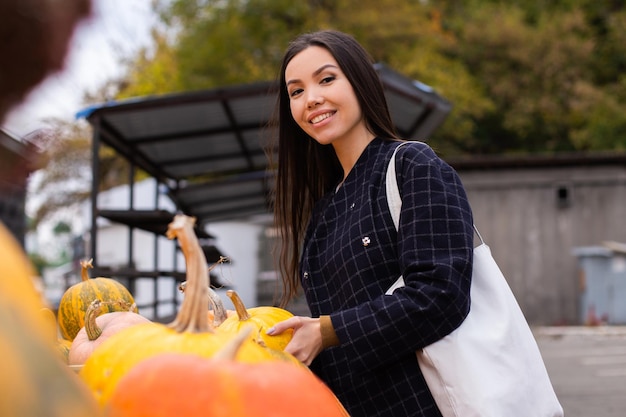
column 208, row 146
column 154, row 221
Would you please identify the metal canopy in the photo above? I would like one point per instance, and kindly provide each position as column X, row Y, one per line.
column 207, row 147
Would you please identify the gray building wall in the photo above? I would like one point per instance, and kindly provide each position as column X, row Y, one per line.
column 534, row 213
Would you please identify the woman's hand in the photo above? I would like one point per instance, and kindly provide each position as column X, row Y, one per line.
column 306, row 342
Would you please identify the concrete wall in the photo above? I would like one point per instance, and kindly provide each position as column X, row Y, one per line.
column 534, row 217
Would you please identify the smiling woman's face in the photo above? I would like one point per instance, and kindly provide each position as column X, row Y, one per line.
column 322, row 100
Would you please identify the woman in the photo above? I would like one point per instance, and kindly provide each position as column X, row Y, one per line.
column 335, row 139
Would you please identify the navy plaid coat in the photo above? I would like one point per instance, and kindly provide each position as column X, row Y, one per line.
column 352, row 254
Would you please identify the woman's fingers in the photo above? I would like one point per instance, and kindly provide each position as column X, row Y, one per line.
column 306, row 342
column 278, row 328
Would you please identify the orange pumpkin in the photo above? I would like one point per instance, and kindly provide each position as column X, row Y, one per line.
column 223, row 388
column 98, row 328
column 34, row 381
column 77, row 298
column 190, row 332
column 262, row 318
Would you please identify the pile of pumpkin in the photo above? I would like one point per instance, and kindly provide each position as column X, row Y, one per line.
column 208, row 361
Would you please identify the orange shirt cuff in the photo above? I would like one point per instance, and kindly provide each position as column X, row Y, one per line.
column 329, row 337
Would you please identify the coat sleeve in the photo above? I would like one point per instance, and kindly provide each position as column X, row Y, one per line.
column 435, row 248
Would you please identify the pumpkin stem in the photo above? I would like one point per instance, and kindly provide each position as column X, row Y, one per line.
column 216, row 303
column 230, row 348
column 95, row 310
column 84, row 267
column 91, row 327
column 192, row 316
column 240, row 308
column 219, row 310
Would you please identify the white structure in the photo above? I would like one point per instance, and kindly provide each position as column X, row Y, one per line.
column 237, row 240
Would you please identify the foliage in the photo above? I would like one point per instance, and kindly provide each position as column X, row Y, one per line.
column 548, row 68
column 533, row 74
column 152, row 74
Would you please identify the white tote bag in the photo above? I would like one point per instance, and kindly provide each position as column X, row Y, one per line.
column 491, row 365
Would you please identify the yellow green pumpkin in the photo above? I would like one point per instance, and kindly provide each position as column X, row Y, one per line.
column 63, row 348
column 77, row 298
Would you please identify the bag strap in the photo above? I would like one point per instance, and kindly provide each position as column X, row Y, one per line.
column 393, row 193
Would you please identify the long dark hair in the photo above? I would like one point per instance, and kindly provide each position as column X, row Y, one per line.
column 306, row 169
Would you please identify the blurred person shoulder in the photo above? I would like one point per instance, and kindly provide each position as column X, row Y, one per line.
column 36, row 36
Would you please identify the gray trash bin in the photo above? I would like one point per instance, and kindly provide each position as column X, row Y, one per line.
column 603, row 285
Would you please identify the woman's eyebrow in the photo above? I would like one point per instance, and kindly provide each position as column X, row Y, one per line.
column 322, row 68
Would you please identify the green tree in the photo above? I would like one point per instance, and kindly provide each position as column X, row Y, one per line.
column 153, row 71
column 540, row 74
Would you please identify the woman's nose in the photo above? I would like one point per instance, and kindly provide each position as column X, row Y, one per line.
column 314, row 99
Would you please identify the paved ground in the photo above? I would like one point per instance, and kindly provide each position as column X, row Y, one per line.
column 587, row 366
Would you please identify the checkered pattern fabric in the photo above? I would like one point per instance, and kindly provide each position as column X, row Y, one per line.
column 352, row 254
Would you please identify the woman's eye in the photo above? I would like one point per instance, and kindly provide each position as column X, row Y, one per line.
column 328, row 79
column 295, row 92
